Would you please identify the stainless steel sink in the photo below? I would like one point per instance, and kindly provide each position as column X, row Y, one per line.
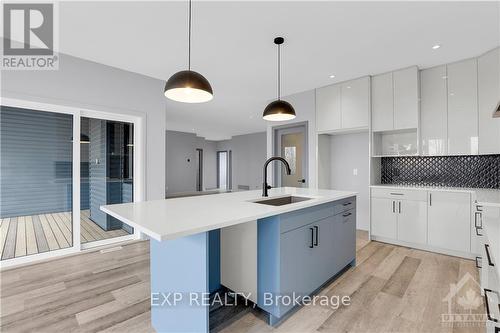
column 282, row 201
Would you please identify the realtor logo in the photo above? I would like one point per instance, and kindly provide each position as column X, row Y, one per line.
column 29, row 36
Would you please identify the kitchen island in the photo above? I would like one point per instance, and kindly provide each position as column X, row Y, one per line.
column 296, row 227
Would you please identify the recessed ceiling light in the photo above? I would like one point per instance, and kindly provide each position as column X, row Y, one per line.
column 332, row 76
column 435, row 47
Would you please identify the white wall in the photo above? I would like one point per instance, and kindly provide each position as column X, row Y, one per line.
column 248, row 157
column 349, row 152
column 85, row 84
column 305, row 107
column 209, row 162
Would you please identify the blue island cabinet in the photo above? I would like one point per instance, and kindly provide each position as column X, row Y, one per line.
column 300, row 251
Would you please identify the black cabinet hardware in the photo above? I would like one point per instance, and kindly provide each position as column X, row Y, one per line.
column 346, row 214
column 316, row 241
column 394, row 206
column 301, row 180
column 430, row 199
column 346, row 204
column 477, row 262
column 486, row 291
column 400, row 207
column 487, row 248
column 312, row 238
column 396, row 193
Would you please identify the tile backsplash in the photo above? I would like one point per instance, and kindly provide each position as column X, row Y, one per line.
column 454, row 171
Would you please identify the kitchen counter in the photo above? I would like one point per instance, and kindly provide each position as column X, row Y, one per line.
column 482, row 196
column 173, row 218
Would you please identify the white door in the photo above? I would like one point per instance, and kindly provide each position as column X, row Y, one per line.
column 434, row 111
column 328, row 108
column 384, row 218
column 382, row 102
column 406, row 98
column 462, row 108
column 488, row 67
column 412, row 221
column 449, row 220
column 355, row 102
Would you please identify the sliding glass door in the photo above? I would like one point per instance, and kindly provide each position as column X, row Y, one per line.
column 36, row 163
column 58, row 166
column 106, row 176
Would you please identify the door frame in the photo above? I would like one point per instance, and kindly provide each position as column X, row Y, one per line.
column 139, row 173
column 277, row 131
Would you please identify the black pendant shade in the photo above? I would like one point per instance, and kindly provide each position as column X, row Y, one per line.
column 188, row 87
column 279, row 110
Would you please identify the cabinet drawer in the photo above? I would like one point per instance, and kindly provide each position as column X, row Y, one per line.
column 401, row 194
column 305, row 216
column 344, row 205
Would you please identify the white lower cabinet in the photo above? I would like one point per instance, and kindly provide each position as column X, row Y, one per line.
column 449, row 215
column 412, row 221
column 384, row 219
column 434, row 220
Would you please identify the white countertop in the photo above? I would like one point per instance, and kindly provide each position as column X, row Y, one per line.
column 173, row 218
column 483, row 196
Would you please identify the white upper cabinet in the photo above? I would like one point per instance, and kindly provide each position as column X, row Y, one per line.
column 462, row 108
column 395, row 100
column 406, row 93
column 343, row 106
column 434, row 111
column 328, row 115
column 488, row 98
column 382, row 102
column 355, row 103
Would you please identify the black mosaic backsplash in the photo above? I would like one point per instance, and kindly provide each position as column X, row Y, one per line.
column 454, row 171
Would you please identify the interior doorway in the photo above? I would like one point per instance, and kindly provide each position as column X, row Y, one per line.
column 199, row 169
column 291, row 143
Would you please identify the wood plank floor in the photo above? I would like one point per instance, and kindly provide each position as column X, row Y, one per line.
column 26, row 235
column 392, row 289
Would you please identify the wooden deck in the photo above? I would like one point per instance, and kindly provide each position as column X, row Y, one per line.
column 26, row 235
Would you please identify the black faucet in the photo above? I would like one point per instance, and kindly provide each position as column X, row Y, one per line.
column 265, row 186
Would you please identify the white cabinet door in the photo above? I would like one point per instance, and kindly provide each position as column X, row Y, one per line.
column 434, row 111
column 449, row 222
column 382, row 102
column 355, row 103
column 412, row 221
column 462, row 108
column 406, row 96
column 328, row 116
column 384, row 218
column 489, row 96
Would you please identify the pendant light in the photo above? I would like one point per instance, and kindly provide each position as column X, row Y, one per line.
column 188, row 86
column 279, row 110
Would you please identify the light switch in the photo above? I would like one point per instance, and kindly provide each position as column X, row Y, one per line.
column 355, row 172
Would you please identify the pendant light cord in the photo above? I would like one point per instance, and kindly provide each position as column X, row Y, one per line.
column 279, row 72
column 189, row 37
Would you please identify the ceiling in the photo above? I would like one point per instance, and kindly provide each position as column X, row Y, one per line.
column 233, row 46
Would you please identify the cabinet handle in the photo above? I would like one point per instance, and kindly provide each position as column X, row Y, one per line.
column 478, row 216
column 316, row 241
column 477, row 231
column 346, row 204
column 486, row 291
column 394, row 206
column 487, row 248
column 478, row 265
column 430, row 199
column 399, row 207
column 396, row 193
column 346, row 214
column 312, row 238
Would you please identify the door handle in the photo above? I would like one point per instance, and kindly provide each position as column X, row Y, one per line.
column 399, row 207
column 301, row 180
column 316, row 241
column 394, row 206
column 430, row 199
column 312, row 238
